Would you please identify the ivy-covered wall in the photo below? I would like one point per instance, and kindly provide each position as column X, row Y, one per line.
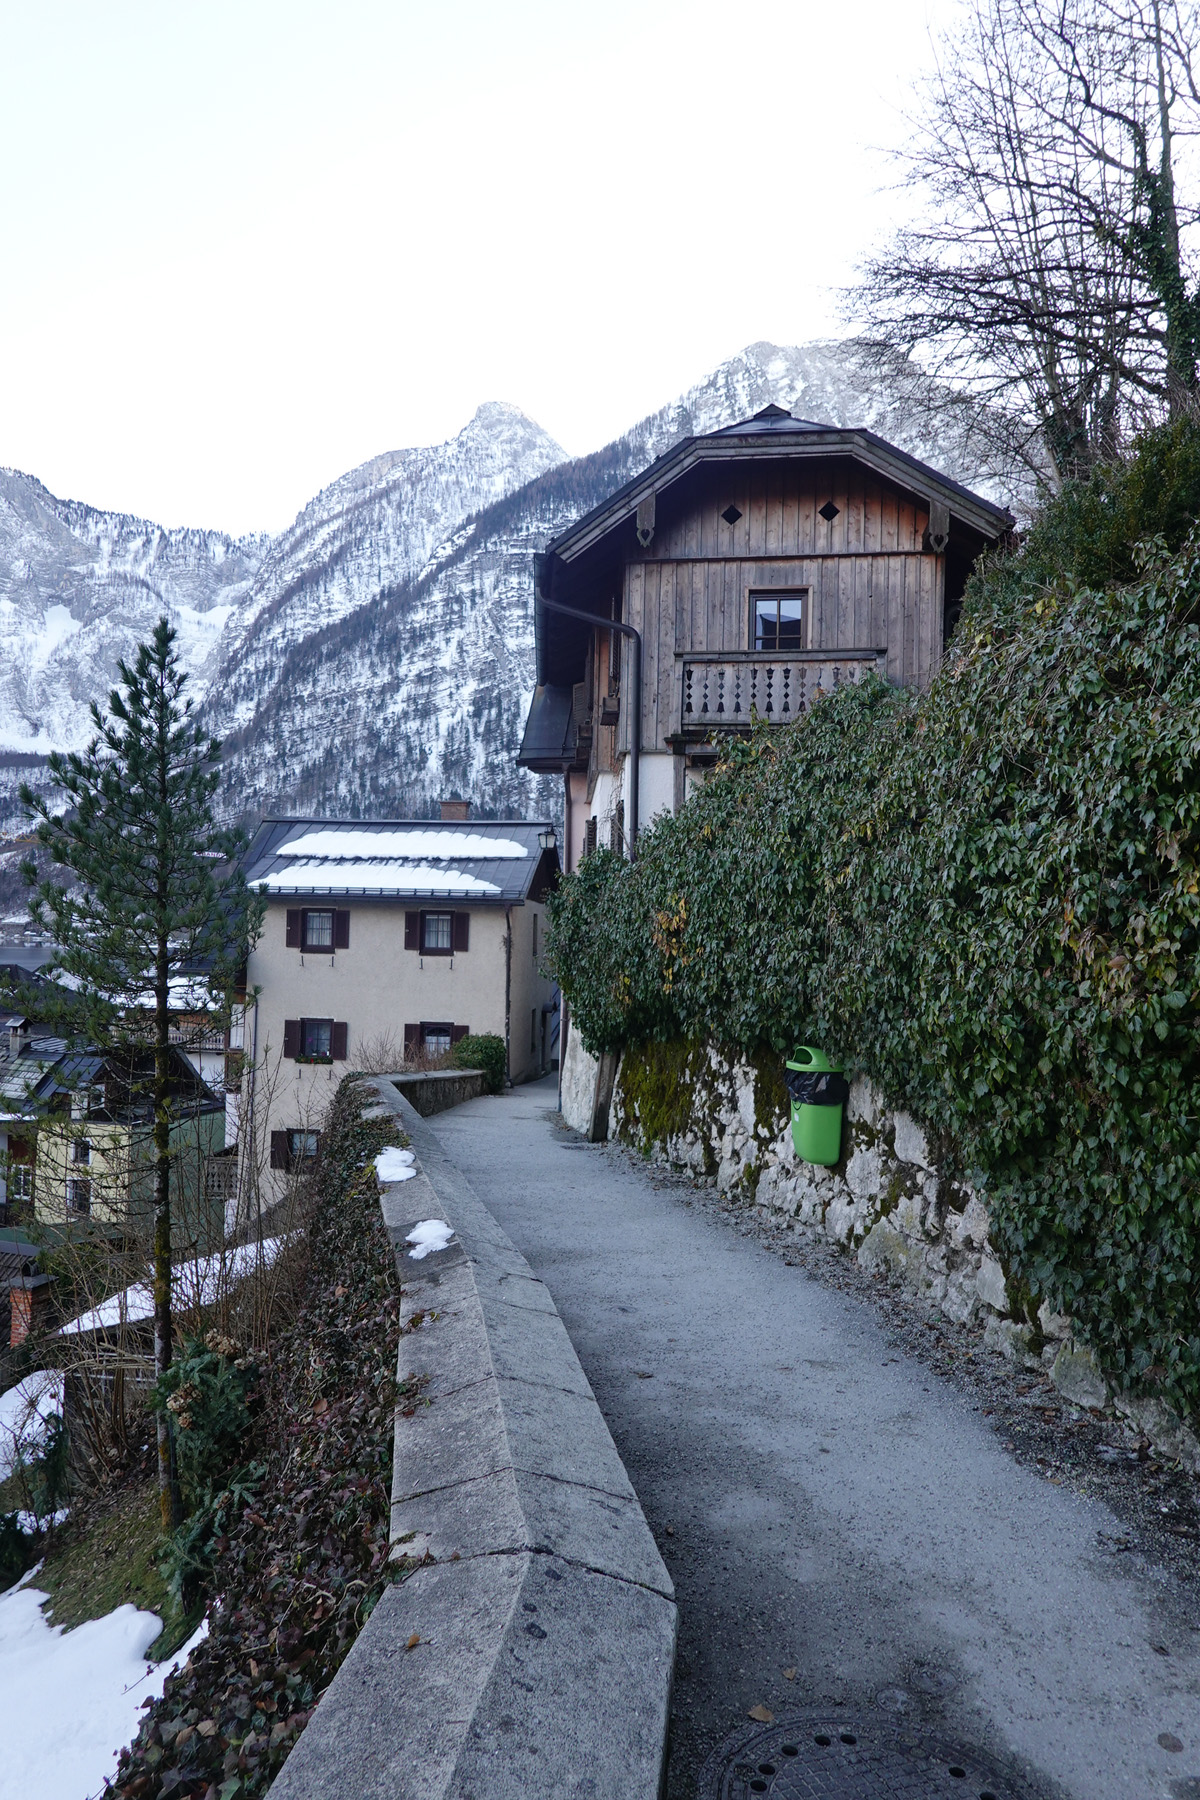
column 987, row 897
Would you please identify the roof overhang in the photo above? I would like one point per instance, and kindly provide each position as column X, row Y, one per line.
column 799, row 444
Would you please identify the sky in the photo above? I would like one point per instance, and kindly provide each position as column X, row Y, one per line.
column 247, row 246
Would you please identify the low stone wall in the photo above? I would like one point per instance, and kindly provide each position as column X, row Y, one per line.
column 531, row 1649
column 886, row 1202
column 439, row 1089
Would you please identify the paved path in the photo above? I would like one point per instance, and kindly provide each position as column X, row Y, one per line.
column 832, row 1506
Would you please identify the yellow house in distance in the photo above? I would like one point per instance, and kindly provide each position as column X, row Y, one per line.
column 95, row 1147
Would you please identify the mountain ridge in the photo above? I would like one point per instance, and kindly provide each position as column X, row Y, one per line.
column 378, row 653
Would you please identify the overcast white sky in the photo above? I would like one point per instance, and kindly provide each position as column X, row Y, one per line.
column 247, row 246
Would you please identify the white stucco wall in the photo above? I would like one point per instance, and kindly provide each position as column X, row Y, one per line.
column 377, row 987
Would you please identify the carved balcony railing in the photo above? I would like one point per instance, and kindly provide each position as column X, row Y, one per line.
column 729, row 691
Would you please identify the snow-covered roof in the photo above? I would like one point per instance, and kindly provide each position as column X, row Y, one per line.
column 198, row 1283
column 477, row 860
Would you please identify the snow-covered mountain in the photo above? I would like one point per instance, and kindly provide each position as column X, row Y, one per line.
column 379, row 653
column 80, row 588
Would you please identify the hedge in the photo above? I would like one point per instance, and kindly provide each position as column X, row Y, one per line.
column 988, row 898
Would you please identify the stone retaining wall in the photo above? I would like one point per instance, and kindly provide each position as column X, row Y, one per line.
column 437, row 1090
column 531, row 1648
column 886, row 1203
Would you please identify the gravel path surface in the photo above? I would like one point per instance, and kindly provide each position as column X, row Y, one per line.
column 858, row 1505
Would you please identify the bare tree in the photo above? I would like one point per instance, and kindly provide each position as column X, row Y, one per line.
column 1045, row 270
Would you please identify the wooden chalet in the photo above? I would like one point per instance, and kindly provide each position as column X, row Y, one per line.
column 741, row 575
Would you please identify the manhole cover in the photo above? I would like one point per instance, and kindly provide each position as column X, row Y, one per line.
column 822, row 1755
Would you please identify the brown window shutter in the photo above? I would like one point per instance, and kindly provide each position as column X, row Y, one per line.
column 294, row 918
column 412, row 1039
column 589, row 836
column 341, row 930
column 458, row 1032
column 412, row 932
column 338, row 1038
column 291, row 1037
column 462, row 931
column 279, row 1149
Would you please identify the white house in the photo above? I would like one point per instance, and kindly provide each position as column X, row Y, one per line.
column 386, row 941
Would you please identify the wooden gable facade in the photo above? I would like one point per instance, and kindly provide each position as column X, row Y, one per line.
column 760, row 567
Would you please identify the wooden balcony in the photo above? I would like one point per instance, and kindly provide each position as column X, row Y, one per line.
column 729, row 691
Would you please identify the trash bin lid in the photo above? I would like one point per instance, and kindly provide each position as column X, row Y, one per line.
column 805, row 1057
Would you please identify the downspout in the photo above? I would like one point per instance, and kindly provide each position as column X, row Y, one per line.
column 562, row 998
column 635, row 727
column 247, row 1150
column 508, row 993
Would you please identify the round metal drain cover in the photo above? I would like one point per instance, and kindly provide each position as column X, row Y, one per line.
column 822, row 1755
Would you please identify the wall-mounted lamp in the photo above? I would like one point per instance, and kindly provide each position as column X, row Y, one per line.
column 547, row 839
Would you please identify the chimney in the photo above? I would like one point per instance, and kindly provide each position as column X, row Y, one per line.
column 455, row 811
column 29, row 1302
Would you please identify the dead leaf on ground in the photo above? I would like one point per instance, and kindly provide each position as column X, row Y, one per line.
column 763, row 1714
column 413, row 1641
column 322, row 1406
column 789, row 1674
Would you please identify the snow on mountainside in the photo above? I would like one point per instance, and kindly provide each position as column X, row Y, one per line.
column 379, row 653
column 374, row 529
column 80, row 588
column 423, row 691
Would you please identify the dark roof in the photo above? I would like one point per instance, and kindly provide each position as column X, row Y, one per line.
column 770, row 419
column 475, row 862
column 774, row 432
column 123, row 1074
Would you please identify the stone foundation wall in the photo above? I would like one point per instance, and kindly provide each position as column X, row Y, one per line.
column 886, row 1203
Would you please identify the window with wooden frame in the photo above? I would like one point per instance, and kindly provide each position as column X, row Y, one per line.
column 79, row 1194
column 778, row 619
column 292, row 1148
column 430, row 1039
column 437, row 933
column 18, row 1173
column 81, row 1150
column 315, row 1040
column 318, row 929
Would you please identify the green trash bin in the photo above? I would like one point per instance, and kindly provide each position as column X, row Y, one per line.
column 818, row 1090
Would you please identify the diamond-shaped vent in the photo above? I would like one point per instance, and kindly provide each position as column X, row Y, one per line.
column 732, row 514
column 829, row 511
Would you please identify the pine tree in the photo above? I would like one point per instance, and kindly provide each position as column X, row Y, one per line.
column 157, row 895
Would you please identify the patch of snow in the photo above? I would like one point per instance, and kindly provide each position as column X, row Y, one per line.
column 24, row 1413
column 29, row 1522
column 454, row 846
column 73, row 1698
column 198, row 1283
column 428, row 1235
column 58, row 627
column 395, row 1165
column 404, row 878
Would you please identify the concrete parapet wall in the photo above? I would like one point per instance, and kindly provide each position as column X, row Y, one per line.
column 889, row 1205
column 531, row 1649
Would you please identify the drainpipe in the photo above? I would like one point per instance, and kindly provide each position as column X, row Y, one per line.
column 635, row 730
column 508, row 993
